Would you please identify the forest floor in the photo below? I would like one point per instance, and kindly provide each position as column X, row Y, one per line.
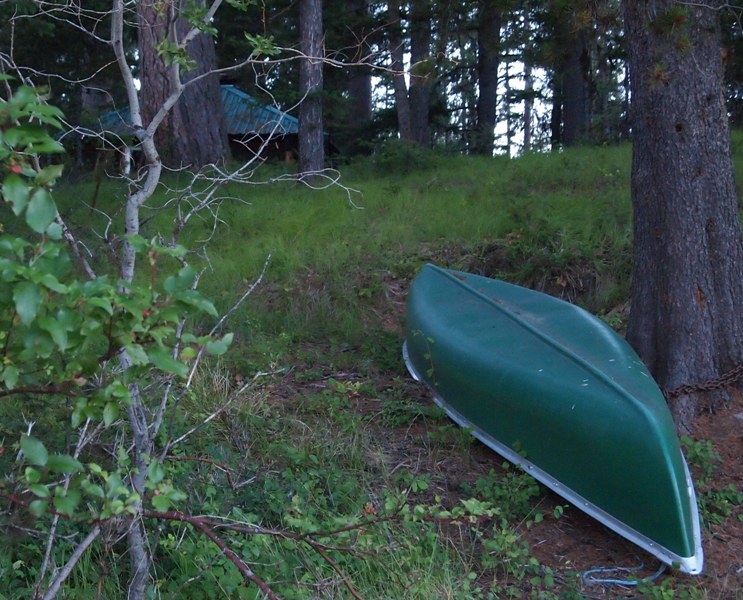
column 574, row 543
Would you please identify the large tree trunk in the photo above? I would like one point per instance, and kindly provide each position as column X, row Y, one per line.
column 354, row 134
column 421, row 72
column 397, row 53
column 488, row 56
column 687, row 299
column 556, row 112
column 575, row 88
column 528, row 104
column 194, row 133
column 311, row 139
column 360, row 76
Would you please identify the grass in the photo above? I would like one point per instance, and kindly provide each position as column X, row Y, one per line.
column 319, row 442
column 557, row 218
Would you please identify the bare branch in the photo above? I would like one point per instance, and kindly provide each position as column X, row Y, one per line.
column 64, row 573
column 204, row 526
column 221, row 321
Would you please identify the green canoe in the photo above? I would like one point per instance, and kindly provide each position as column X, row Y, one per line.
column 552, row 388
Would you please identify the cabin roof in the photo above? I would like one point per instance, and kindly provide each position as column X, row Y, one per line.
column 244, row 115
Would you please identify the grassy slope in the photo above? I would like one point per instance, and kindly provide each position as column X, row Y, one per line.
column 551, row 217
column 331, row 304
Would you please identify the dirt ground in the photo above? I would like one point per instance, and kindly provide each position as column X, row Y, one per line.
column 576, row 542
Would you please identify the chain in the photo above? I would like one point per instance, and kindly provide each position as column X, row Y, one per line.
column 725, row 380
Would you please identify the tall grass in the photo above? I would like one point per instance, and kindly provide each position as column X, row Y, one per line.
column 556, row 217
column 333, row 301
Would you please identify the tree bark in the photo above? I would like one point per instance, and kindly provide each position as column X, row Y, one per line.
column 489, row 20
column 686, row 321
column 194, row 133
column 397, row 53
column 421, row 72
column 575, row 89
column 556, row 112
column 528, row 104
column 360, row 77
column 311, row 139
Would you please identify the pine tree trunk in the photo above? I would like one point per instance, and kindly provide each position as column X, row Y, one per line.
column 687, row 299
column 528, row 104
column 421, row 77
column 360, row 77
column 397, row 53
column 575, row 90
column 194, row 133
column 311, row 139
column 556, row 113
column 488, row 58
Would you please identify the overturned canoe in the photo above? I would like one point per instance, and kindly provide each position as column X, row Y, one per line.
column 552, row 388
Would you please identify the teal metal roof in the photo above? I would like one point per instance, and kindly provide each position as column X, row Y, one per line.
column 244, row 115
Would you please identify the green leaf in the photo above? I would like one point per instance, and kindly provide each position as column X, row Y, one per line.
column 27, row 297
column 56, row 330
column 51, row 282
column 64, row 463
column 137, row 354
column 219, row 347
column 96, row 469
column 117, row 389
column 54, row 231
column 38, row 507
column 67, row 503
column 16, row 191
column 39, row 490
column 46, row 146
column 10, row 376
column 92, row 489
column 262, row 45
column 163, row 360
column 32, row 475
column 77, row 417
column 110, row 413
column 182, row 281
column 34, row 450
column 195, row 299
column 161, row 502
column 155, row 472
column 102, row 303
column 188, row 353
column 49, row 175
column 177, row 495
column 41, row 210
column 137, row 242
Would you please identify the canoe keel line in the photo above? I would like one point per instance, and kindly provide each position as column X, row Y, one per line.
column 555, row 391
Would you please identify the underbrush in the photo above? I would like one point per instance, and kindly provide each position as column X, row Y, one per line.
column 305, row 474
column 341, row 258
column 305, row 490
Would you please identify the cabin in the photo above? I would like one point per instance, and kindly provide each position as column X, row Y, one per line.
column 253, row 127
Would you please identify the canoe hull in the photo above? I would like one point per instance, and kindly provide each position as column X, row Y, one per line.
column 553, row 389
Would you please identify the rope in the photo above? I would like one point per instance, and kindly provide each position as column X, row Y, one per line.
column 588, row 579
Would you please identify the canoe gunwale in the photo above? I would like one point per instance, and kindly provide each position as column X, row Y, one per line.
column 688, row 564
